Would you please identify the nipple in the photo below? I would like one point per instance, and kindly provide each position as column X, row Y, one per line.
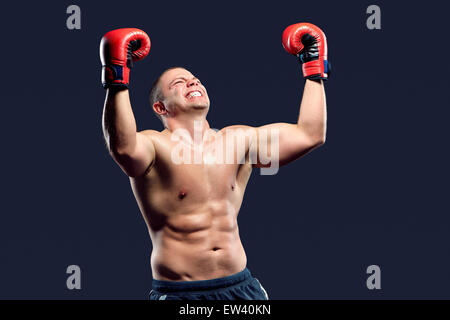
column 232, row 187
column 181, row 195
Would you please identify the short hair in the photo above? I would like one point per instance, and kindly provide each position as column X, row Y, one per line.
column 155, row 92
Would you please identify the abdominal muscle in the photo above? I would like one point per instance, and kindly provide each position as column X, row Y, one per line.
column 197, row 246
column 191, row 213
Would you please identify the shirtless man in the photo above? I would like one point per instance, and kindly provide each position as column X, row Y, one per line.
column 191, row 208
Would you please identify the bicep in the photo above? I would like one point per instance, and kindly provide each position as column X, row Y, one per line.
column 138, row 160
column 282, row 141
column 276, row 142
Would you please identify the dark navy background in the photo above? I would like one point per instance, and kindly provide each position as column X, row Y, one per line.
column 375, row 193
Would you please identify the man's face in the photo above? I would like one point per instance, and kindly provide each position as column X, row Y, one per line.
column 183, row 92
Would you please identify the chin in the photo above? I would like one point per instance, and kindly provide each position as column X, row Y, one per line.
column 200, row 107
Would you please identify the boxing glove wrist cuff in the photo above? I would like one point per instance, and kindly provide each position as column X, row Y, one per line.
column 316, row 69
column 115, row 75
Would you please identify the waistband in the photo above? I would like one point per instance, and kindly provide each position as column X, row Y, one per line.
column 166, row 286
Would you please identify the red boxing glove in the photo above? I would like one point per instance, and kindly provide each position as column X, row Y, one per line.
column 309, row 43
column 118, row 49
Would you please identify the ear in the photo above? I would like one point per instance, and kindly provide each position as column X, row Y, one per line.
column 159, row 108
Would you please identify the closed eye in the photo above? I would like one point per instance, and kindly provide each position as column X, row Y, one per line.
column 176, row 82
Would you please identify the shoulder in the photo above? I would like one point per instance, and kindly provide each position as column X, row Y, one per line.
column 152, row 134
column 236, row 129
column 239, row 131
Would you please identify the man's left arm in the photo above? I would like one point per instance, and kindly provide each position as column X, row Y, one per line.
column 291, row 141
column 280, row 143
column 309, row 44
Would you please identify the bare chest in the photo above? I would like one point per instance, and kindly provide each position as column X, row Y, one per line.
column 184, row 173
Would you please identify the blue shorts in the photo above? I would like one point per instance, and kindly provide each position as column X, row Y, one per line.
column 239, row 286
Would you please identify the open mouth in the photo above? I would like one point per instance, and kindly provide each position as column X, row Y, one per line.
column 194, row 94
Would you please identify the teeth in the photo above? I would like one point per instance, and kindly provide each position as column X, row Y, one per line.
column 195, row 94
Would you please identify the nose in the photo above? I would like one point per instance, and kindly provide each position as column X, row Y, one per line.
column 193, row 82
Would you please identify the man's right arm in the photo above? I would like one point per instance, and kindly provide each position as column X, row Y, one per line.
column 133, row 151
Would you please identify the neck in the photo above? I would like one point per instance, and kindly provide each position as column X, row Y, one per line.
column 194, row 125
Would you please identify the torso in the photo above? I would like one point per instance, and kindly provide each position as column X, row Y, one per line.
column 191, row 212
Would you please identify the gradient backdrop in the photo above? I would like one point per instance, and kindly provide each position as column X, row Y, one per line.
column 375, row 193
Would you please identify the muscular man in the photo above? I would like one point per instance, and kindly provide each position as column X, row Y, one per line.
column 191, row 207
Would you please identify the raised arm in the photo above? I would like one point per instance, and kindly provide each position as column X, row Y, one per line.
column 280, row 143
column 133, row 151
column 291, row 141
